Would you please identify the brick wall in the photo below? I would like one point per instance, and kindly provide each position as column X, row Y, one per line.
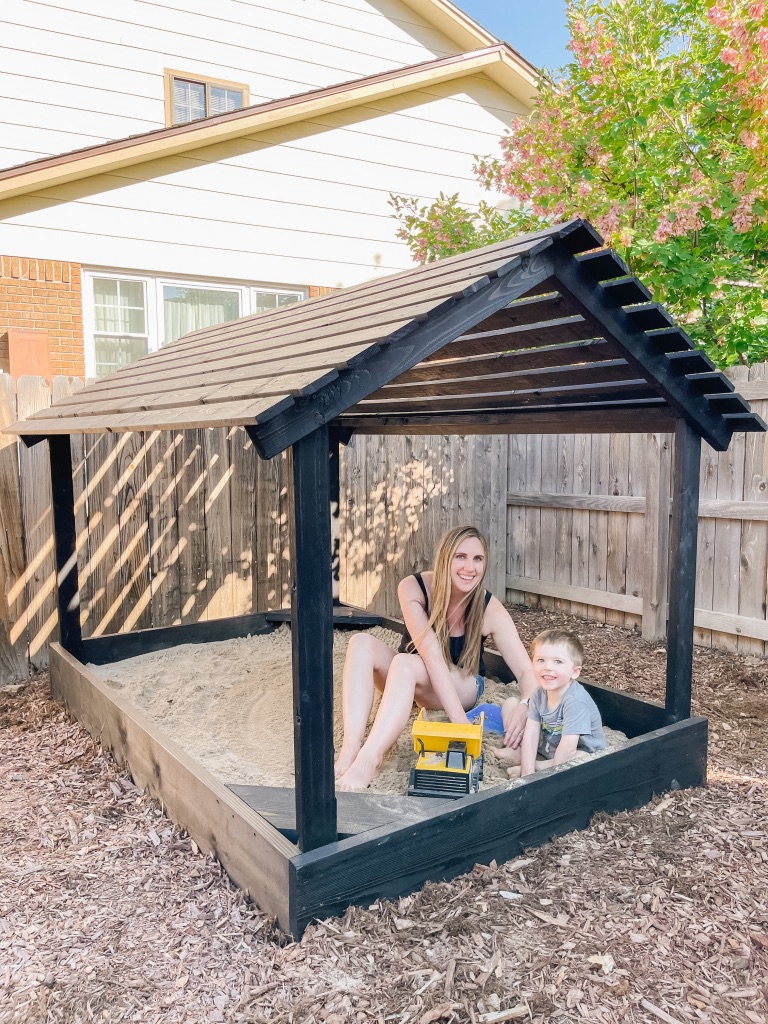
column 45, row 295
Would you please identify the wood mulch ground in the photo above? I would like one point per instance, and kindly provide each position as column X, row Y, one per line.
column 108, row 912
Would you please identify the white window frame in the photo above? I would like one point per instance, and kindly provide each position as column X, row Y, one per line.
column 153, row 293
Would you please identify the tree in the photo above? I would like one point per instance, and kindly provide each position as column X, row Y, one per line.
column 657, row 133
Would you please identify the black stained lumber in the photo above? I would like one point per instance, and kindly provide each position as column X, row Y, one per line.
column 357, row 812
column 459, row 365
column 384, row 365
column 581, row 395
column 578, row 420
column 628, row 292
column 682, row 570
column 312, row 642
column 65, row 543
column 496, row 824
column 505, row 340
column 334, row 488
column 627, row 328
column 343, row 615
column 102, row 650
column 470, row 382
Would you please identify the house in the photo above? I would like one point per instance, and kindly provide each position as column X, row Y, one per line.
column 167, row 168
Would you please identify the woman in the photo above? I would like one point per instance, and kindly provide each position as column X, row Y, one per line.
column 448, row 615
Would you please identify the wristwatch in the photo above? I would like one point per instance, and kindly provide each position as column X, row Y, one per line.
column 526, row 701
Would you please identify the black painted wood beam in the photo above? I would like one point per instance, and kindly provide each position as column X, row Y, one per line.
column 65, row 543
column 312, row 642
column 682, row 570
column 628, row 329
column 335, row 508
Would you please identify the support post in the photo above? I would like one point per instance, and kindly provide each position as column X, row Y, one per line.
column 65, row 543
column 682, row 575
column 656, row 568
column 334, row 460
column 312, row 643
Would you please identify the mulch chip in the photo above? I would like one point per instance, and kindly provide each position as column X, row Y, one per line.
column 109, row 912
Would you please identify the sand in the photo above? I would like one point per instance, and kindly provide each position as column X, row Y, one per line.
column 229, row 705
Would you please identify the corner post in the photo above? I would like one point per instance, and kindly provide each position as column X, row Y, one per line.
column 334, row 468
column 65, row 543
column 312, row 643
column 682, row 575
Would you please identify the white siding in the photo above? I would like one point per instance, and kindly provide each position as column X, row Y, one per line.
column 298, row 205
column 77, row 72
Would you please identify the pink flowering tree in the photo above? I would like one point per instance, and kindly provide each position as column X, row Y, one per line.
column 657, row 133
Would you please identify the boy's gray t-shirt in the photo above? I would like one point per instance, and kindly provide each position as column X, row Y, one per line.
column 576, row 714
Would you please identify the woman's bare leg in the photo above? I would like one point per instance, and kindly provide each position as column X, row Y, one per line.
column 407, row 671
column 365, row 671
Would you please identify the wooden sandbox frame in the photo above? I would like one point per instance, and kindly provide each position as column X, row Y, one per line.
column 394, row 858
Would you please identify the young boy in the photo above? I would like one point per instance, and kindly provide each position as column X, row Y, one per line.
column 562, row 717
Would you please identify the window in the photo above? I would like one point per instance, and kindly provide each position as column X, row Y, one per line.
column 128, row 316
column 190, row 97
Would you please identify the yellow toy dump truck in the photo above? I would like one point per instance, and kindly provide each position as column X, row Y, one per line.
column 450, row 763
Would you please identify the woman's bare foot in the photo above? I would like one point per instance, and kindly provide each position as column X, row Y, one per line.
column 514, row 771
column 360, row 775
column 346, row 758
column 506, row 754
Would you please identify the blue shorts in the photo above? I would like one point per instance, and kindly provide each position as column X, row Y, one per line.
column 480, row 681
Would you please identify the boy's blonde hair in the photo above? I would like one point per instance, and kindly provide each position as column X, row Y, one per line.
column 560, row 637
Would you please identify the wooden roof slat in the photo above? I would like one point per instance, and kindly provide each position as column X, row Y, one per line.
column 627, row 292
column 520, row 338
column 740, row 421
column 222, row 414
column 609, row 392
column 671, row 339
column 693, row 361
column 572, row 353
column 204, row 381
column 732, row 403
column 604, row 265
column 649, row 317
column 203, row 395
column 709, row 384
column 609, row 370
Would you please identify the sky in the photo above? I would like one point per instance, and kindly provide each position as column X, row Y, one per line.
column 535, row 28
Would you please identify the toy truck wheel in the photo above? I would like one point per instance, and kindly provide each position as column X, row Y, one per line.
column 480, row 767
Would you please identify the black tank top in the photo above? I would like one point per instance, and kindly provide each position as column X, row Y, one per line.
column 456, row 643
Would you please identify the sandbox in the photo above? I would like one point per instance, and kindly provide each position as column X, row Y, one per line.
column 387, row 844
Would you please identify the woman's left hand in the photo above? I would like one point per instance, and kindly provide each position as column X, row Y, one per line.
column 514, row 725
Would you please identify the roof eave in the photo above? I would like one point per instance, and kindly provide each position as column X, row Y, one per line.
column 499, row 62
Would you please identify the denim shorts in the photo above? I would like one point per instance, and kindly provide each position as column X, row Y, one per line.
column 480, row 681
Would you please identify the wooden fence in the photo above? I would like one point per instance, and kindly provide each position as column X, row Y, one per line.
column 180, row 526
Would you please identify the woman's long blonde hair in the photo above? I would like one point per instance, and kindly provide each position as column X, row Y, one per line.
column 469, row 661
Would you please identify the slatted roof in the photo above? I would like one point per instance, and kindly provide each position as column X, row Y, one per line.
column 544, row 332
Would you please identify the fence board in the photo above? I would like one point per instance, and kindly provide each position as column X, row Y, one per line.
column 243, row 457
column 616, row 564
column 515, row 543
column 99, row 591
column 160, row 458
column 753, row 561
column 580, row 520
column 636, row 555
column 598, row 522
column 730, row 486
column 13, row 627
column 135, row 611
column 217, row 525
column 34, row 393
